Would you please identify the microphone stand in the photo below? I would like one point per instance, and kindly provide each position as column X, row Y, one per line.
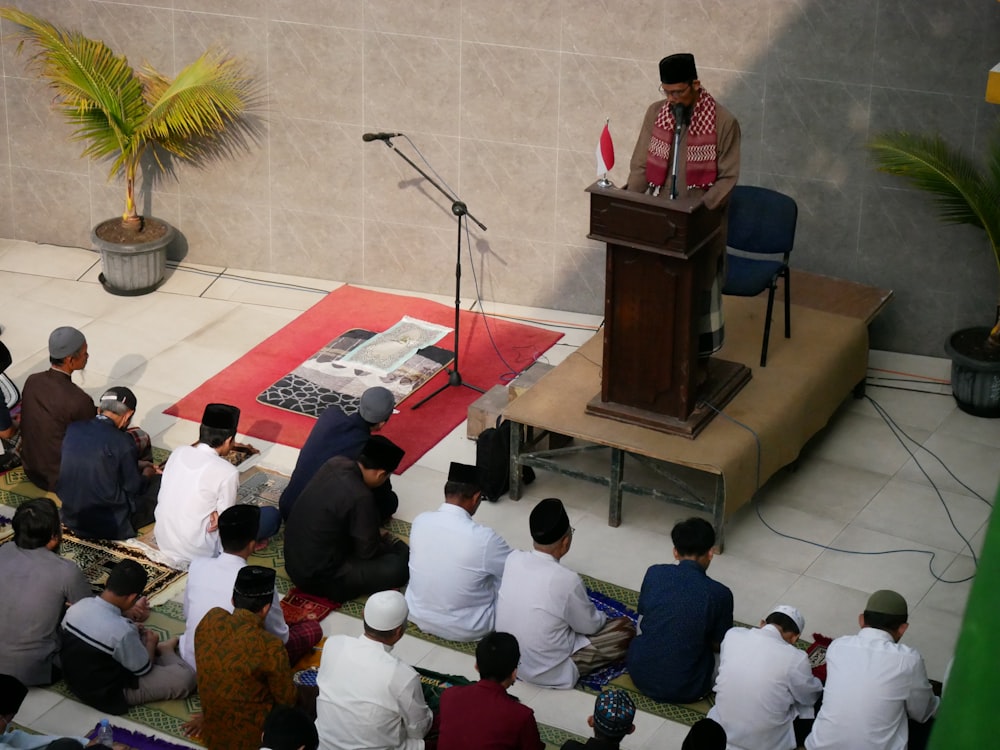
column 461, row 211
column 678, row 112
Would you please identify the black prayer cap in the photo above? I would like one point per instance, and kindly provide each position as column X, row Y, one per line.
column 548, row 521
column 118, row 393
column 678, row 68
column 221, row 417
column 382, row 453
column 241, row 520
column 12, row 692
column 254, row 581
column 464, row 474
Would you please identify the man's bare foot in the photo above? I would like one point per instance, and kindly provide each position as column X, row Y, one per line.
column 261, row 545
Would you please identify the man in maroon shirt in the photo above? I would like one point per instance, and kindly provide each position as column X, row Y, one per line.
column 483, row 715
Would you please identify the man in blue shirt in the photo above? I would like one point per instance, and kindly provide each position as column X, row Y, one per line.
column 683, row 616
column 337, row 433
column 104, row 494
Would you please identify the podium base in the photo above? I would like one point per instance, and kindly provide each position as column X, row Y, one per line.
column 725, row 379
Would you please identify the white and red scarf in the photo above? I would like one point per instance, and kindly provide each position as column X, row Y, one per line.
column 702, row 139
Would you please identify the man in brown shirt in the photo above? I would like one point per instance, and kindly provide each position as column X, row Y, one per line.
column 243, row 670
column 50, row 401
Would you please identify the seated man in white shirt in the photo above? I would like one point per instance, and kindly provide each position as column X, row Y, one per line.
column 368, row 697
column 764, row 682
column 873, row 683
column 455, row 564
column 545, row 606
column 197, row 485
column 210, row 584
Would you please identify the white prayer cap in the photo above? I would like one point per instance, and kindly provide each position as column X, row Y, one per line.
column 793, row 614
column 386, row 610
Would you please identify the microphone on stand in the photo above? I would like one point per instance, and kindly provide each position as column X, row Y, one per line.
column 379, row 136
column 678, row 111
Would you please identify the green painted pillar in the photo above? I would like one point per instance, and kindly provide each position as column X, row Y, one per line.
column 967, row 717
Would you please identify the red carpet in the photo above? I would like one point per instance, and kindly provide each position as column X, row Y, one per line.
column 349, row 307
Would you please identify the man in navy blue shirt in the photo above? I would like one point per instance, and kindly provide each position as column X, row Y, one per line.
column 338, row 434
column 105, row 494
column 683, row 616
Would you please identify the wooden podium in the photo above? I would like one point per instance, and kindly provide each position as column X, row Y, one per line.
column 662, row 257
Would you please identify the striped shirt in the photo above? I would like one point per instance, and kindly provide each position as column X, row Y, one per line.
column 102, row 654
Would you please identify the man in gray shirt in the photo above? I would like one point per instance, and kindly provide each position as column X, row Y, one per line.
column 36, row 586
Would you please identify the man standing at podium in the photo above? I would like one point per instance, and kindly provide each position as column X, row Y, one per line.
column 708, row 161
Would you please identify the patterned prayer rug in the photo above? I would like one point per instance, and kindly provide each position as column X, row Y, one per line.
column 298, row 606
column 259, row 487
column 337, row 375
column 817, row 655
column 96, row 558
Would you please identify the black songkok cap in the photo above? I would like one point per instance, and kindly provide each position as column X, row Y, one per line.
column 221, row 417
column 12, row 692
column 382, row 453
column 548, row 521
column 254, row 581
column 241, row 520
column 464, row 474
column 678, row 68
column 118, row 393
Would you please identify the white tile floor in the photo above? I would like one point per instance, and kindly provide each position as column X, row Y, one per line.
column 856, row 487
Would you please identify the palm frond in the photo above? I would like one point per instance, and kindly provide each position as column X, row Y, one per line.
column 203, row 109
column 121, row 114
column 961, row 190
column 96, row 90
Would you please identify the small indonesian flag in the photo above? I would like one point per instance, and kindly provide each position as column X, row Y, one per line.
column 605, row 153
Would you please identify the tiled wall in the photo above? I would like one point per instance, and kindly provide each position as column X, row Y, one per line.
column 506, row 100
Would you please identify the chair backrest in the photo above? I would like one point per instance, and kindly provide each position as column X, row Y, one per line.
column 761, row 220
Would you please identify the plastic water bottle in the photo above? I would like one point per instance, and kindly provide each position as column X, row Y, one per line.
column 105, row 734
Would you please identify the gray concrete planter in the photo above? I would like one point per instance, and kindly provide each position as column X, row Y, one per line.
column 975, row 373
column 133, row 268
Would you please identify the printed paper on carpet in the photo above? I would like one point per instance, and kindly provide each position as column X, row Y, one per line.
column 490, row 349
column 356, row 360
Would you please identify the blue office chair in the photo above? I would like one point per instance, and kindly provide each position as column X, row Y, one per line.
column 762, row 227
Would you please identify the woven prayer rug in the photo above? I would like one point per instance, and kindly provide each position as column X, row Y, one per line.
column 298, row 606
column 96, row 558
column 358, row 359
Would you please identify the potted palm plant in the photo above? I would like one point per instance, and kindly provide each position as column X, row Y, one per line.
column 965, row 193
column 123, row 115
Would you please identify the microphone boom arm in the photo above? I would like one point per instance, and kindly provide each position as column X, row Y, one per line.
column 457, row 207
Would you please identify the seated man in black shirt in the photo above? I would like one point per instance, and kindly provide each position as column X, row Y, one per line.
column 334, row 546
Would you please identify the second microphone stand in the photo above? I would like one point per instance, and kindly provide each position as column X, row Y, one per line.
column 460, row 210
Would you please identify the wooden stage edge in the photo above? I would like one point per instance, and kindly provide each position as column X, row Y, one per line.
column 806, row 379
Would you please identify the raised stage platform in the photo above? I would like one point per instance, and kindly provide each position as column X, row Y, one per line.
column 806, row 379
